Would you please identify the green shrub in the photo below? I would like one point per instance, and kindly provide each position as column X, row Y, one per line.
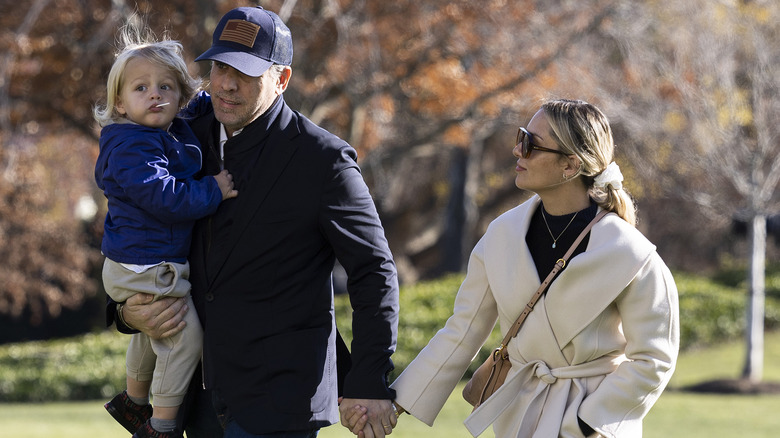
column 734, row 274
column 86, row 367
column 712, row 311
column 92, row 366
column 708, row 311
column 425, row 308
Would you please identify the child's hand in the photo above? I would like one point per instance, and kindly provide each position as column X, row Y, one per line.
column 225, row 183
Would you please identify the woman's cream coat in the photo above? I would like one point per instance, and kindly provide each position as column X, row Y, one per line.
column 601, row 344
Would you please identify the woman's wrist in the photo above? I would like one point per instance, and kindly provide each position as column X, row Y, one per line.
column 398, row 409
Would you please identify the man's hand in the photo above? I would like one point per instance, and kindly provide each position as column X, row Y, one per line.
column 355, row 419
column 379, row 415
column 158, row 319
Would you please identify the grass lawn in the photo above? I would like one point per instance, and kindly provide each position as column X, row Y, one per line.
column 677, row 414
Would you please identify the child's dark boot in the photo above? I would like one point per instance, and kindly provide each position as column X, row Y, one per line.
column 147, row 431
column 130, row 415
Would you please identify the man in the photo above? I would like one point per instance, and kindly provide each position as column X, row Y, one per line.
column 261, row 265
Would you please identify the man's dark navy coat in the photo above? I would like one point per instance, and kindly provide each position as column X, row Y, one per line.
column 261, row 273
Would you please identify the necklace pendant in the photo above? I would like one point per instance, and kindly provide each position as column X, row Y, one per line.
column 555, row 239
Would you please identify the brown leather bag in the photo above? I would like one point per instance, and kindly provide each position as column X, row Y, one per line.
column 492, row 373
column 488, row 377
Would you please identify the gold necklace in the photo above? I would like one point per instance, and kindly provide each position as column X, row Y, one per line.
column 555, row 239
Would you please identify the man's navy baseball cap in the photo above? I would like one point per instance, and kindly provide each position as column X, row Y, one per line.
column 250, row 40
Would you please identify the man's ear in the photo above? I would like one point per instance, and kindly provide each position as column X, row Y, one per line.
column 284, row 80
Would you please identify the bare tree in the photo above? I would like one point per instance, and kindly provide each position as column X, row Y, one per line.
column 707, row 111
column 430, row 93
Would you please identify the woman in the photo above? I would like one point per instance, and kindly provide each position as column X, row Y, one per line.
column 598, row 349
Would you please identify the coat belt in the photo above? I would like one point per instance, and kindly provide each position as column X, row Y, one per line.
column 531, row 388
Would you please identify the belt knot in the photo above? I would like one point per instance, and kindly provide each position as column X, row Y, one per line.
column 543, row 372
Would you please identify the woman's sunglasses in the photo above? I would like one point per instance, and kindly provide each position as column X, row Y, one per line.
column 524, row 139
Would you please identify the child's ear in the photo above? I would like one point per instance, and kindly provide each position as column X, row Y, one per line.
column 120, row 107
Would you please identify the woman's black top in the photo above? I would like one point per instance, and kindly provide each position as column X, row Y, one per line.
column 540, row 241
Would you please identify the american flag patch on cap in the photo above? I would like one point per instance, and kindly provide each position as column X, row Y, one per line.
column 240, row 31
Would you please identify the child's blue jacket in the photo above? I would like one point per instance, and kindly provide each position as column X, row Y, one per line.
column 148, row 176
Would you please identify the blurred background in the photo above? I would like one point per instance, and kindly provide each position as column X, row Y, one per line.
column 430, row 94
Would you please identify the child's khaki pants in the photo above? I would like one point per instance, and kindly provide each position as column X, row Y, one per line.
column 170, row 362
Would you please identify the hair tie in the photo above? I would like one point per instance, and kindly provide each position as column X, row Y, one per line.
column 610, row 176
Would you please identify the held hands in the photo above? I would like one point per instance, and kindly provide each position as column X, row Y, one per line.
column 368, row 418
column 225, row 183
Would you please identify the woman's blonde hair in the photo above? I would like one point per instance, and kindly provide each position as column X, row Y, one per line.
column 581, row 129
column 138, row 42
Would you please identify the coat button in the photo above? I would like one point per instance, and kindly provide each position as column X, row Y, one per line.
column 209, row 297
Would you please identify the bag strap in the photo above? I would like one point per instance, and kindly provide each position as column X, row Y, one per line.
column 543, row 287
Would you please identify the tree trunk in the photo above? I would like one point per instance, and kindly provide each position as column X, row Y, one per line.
column 452, row 243
column 470, row 207
column 754, row 360
column 462, row 211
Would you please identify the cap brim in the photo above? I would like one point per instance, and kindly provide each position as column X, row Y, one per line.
column 246, row 63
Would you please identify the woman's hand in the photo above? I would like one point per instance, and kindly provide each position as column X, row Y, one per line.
column 368, row 418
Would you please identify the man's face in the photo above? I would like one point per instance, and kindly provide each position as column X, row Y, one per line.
column 239, row 99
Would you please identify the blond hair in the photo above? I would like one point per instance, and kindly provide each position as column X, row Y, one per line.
column 581, row 129
column 138, row 42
